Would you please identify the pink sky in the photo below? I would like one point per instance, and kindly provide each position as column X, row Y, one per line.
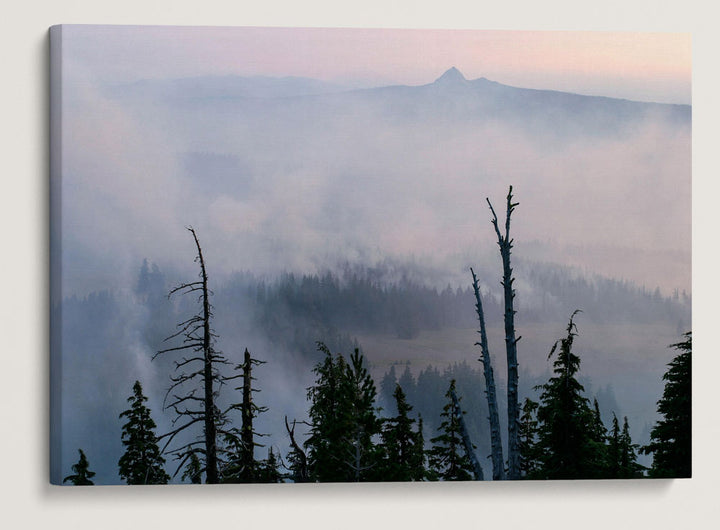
column 641, row 66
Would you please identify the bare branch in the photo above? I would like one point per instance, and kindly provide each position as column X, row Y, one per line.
column 186, row 347
column 171, row 434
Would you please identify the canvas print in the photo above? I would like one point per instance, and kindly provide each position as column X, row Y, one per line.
column 292, row 255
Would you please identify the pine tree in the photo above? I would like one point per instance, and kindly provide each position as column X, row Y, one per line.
column 387, row 388
column 364, row 422
column 598, row 441
column 529, row 458
column 419, row 457
column 566, row 422
column 670, row 439
column 142, row 462
column 629, row 467
column 343, row 420
column 193, row 470
column 403, row 451
column 614, row 450
column 328, row 419
column 268, row 470
column 82, row 472
column 599, row 432
column 447, row 458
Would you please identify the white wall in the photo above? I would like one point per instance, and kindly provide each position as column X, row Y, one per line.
column 28, row 501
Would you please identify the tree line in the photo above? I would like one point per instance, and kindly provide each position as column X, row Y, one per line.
column 559, row 437
column 562, row 436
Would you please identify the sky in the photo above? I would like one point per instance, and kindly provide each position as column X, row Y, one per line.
column 126, row 195
column 639, row 66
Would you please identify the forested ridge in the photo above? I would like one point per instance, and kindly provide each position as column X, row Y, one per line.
column 411, row 423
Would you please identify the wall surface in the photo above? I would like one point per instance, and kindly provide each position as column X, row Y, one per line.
column 28, row 499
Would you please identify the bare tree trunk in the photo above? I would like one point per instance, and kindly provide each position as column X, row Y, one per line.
column 209, row 402
column 247, row 437
column 477, row 468
column 300, row 473
column 490, row 392
column 505, row 244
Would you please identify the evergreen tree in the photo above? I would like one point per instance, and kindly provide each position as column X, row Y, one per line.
column 328, row 417
column 419, row 457
column 343, row 420
column 447, row 458
column 404, row 454
column 529, row 458
column 268, row 470
column 629, row 467
column 364, row 423
column 82, row 472
column 598, row 437
column 387, row 388
column 565, row 444
column 408, row 384
column 670, row 439
column 599, row 432
column 142, row 462
column 193, row 470
column 614, row 450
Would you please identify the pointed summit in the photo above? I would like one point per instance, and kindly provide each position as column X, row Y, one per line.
column 451, row 76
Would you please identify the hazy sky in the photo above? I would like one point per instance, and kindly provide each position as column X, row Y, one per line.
column 641, row 66
column 306, row 194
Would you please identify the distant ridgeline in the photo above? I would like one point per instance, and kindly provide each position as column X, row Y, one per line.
column 296, row 311
column 299, row 310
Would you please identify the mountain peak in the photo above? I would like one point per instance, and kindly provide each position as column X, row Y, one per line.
column 453, row 75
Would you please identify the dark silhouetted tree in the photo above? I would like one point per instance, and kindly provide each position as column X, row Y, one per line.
column 198, row 373
column 193, row 470
column 614, row 451
column 506, row 243
column 529, row 457
column 364, row 422
column 387, row 389
column 142, row 462
column 343, row 420
column 268, row 470
column 670, row 438
column 403, row 458
column 598, row 437
column 465, row 435
column 447, row 457
column 82, row 473
column 490, row 392
column 565, row 443
column 242, row 466
column 629, row 467
column 297, row 459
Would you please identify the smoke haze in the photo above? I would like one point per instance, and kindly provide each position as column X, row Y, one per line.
column 291, row 174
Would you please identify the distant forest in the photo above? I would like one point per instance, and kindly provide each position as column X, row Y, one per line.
column 295, row 312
